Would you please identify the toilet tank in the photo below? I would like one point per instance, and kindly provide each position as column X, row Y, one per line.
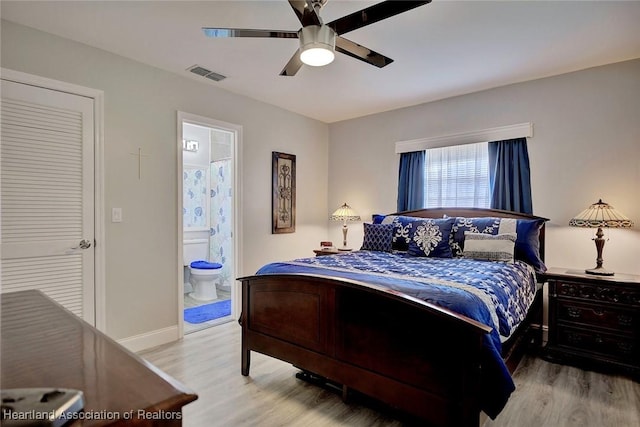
column 195, row 250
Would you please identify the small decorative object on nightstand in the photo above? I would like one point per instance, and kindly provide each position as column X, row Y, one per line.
column 326, row 248
column 344, row 213
column 600, row 215
column 326, row 245
column 594, row 321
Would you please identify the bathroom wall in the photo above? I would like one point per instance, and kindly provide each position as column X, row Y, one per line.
column 220, row 144
column 203, row 136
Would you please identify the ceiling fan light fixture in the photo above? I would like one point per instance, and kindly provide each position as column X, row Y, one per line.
column 317, row 56
column 317, row 45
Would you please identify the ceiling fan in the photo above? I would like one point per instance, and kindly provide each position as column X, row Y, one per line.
column 318, row 40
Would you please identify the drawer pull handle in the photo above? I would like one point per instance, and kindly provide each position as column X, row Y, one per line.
column 625, row 347
column 585, row 293
column 598, row 311
column 574, row 338
column 624, row 320
column 573, row 312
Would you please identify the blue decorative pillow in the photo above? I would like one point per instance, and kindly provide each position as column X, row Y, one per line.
column 377, row 237
column 402, row 228
column 528, row 243
column 430, row 237
column 377, row 218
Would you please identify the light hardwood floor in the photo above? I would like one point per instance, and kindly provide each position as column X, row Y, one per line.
column 208, row 361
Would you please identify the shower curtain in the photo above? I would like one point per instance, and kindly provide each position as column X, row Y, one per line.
column 221, row 241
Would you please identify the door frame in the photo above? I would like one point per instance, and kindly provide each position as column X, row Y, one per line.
column 182, row 118
column 98, row 170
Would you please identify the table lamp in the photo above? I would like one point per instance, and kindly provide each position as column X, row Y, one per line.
column 600, row 215
column 344, row 213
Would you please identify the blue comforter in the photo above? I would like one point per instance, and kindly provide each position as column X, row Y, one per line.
column 493, row 293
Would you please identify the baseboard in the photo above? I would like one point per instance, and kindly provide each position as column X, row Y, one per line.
column 150, row 339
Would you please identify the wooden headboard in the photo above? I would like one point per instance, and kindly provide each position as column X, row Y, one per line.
column 476, row 213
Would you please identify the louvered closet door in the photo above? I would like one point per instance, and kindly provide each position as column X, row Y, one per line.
column 47, row 162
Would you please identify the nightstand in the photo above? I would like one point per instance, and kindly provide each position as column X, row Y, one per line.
column 320, row 252
column 594, row 321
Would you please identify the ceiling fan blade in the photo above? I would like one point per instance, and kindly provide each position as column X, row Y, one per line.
column 305, row 13
column 292, row 66
column 244, row 32
column 362, row 53
column 372, row 14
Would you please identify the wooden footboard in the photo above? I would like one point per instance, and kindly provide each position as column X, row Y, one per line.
column 384, row 344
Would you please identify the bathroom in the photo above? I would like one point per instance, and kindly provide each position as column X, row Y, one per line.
column 207, row 209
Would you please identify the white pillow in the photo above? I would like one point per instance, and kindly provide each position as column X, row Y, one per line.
column 491, row 247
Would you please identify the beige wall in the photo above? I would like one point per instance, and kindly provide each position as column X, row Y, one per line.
column 140, row 111
column 586, row 146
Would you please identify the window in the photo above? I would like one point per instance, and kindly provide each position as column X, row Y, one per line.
column 457, row 176
column 449, row 177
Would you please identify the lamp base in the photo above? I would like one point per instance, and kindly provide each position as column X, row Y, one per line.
column 599, row 271
column 344, row 249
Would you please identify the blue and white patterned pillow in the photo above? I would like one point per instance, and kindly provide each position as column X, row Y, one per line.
column 527, row 247
column 462, row 225
column 430, row 237
column 489, row 247
column 402, row 229
column 377, row 237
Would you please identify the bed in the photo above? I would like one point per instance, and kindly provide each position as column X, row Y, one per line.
column 421, row 327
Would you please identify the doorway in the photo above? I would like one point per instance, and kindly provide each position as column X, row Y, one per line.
column 51, row 156
column 208, row 209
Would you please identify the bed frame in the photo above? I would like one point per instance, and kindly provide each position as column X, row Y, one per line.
column 377, row 341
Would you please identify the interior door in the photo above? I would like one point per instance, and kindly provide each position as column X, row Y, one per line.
column 47, row 195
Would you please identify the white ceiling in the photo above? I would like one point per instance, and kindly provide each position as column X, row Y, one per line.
column 442, row 49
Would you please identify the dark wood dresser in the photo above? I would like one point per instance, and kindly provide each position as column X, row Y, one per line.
column 594, row 321
column 46, row 346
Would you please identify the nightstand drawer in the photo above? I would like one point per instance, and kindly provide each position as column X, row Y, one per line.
column 605, row 292
column 624, row 349
column 594, row 321
column 600, row 316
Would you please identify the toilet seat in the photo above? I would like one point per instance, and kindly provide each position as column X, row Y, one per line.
column 205, row 265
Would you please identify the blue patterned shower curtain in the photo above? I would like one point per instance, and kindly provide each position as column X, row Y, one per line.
column 221, row 241
column 194, row 202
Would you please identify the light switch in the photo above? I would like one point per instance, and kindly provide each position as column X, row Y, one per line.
column 116, row 214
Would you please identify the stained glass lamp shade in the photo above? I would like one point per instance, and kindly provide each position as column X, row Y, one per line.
column 344, row 213
column 600, row 215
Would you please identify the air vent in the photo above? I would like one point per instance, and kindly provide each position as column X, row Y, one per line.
column 215, row 76
column 201, row 71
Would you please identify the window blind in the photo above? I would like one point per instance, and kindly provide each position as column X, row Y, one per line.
column 457, row 176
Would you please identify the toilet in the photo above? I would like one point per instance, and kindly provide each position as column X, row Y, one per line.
column 203, row 274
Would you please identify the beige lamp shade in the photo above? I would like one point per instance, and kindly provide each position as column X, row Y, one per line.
column 600, row 214
column 344, row 213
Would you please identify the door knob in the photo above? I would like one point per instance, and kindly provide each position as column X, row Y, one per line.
column 84, row 244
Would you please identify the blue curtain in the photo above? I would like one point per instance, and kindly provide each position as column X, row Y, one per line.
column 411, row 181
column 510, row 175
